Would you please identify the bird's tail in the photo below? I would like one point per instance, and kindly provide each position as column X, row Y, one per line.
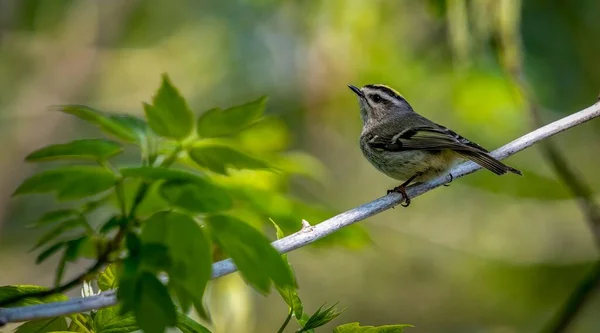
column 489, row 162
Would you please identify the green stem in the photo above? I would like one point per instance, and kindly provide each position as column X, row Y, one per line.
column 79, row 323
column 139, row 197
column 102, row 260
column 121, row 197
column 286, row 322
column 145, row 186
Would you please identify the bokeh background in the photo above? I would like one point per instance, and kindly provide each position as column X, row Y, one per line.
column 487, row 254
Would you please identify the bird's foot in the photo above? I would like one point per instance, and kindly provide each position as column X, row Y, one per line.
column 451, row 178
column 402, row 190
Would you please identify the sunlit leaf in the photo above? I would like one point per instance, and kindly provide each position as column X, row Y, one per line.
column 8, row 292
column 196, row 197
column 270, row 134
column 356, row 328
column 169, row 115
column 57, row 324
column 104, row 120
column 302, row 164
column 69, row 182
column 217, row 122
column 193, row 192
column 149, row 173
column 154, row 310
column 80, row 323
column 94, row 149
column 189, row 249
column 108, row 320
column 252, row 252
column 289, row 294
column 218, row 157
column 107, row 279
column 187, row 325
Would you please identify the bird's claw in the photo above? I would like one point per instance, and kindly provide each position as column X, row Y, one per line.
column 402, row 191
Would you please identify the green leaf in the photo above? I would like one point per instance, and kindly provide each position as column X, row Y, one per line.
column 322, row 317
column 190, row 191
column 107, row 122
column 289, row 294
column 56, row 324
column 113, row 223
column 532, row 185
column 302, row 321
column 155, row 258
column 217, row 157
column 94, row 149
column 7, row 292
column 71, row 254
column 59, row 230
column 152, row 174
column 189, row 249
column 107, row 279
column 70, row 182
column 108, row 320
column 55, row 216
column 187, row 325
column 217, row 122
column 196, row 197
column 135, row 125
column 302, row 164
column 80, row 323
column 169, row 115
column 91, row 246
column 356, row 328
column 49, row 252
column 252, row 252
column 92, row 205
column 154, row 310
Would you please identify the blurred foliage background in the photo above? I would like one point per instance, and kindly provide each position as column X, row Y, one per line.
column 487, row 254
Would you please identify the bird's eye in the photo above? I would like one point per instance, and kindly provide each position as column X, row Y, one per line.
column 376, row 98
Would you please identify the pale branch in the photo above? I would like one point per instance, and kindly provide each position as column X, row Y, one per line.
column 309, row 234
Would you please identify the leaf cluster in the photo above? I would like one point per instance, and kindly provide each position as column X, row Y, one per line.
column 200, row 191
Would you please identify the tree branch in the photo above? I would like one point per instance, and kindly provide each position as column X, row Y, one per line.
column 310, row 234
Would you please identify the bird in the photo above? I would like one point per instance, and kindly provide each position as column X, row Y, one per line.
column 409, row 147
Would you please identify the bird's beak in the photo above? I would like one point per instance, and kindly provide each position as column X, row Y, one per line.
column 356, row 90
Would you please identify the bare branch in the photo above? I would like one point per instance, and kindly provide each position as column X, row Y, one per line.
column 325, row 228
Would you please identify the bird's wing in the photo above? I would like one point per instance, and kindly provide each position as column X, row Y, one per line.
column 421, row 137
column 438, row 138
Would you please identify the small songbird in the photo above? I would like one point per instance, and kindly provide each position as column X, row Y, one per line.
column 409, row 147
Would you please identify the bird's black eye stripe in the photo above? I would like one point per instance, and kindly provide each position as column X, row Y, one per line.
column 376, row 98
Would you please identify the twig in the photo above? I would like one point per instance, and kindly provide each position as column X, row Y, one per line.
column 325, row 228
column 100, row 262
